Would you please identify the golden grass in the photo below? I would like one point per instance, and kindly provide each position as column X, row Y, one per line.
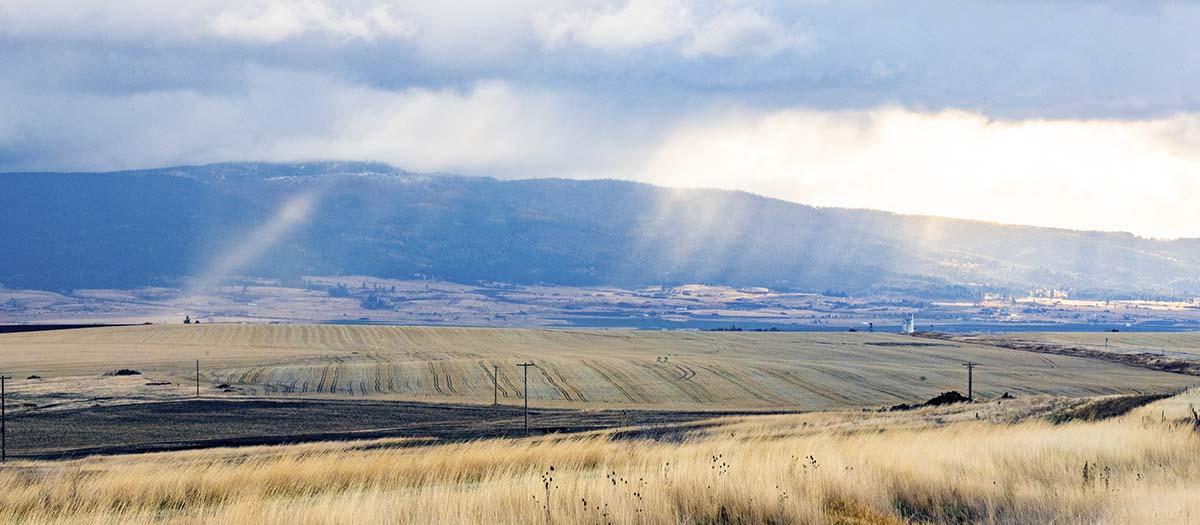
column 927, row 466
column 577, row 368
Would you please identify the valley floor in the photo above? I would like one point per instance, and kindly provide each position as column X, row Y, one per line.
column 579, row 369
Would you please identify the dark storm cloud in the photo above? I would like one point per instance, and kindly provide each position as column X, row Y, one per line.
column 92, row 84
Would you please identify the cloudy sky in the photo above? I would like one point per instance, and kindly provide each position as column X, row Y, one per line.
column 1072, row 113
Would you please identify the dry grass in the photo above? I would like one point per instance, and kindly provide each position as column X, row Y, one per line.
column 940, row 465
column 596, row 368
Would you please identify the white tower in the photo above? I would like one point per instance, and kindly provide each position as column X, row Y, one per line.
column 910, row 325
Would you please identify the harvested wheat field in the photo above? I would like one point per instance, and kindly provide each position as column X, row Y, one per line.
column 1177, row 345
column 582, row 369
column 1177, row 352
column 998, row 462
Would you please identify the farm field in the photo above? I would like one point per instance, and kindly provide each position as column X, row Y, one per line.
column 1176, row 345
column 999, row 462
column 575, row 368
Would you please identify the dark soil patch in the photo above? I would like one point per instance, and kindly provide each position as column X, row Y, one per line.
column 944, row 398
column 124, row 372
column 947, row 398
column 204, row 423
column 896, row 343
column 18, row 328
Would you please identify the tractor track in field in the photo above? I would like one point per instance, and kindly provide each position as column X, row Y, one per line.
column 697, row 387
column 333, row 382
column 855, row 379
column 579, row 396
column 491, row 374
column 599, row 369
column 686, row 373
column 806, row 386
column 622, row 381
column 1049, row 362
column 324, row 377
column 409, row 380
column 562, row 392
column 256, row 375
column 666, row 377
column 728, row 376
column 507, row 381
column 437, row 385
column 449, row 378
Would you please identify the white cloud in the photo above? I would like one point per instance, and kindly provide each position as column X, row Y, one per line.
column 635, row 24
column 1135, row 176
column 742, row 32
column 729, row 31
column 490, row 128
column 628, row 92
column 276, row 21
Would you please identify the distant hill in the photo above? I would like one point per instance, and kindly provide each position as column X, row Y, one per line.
column 125, row 229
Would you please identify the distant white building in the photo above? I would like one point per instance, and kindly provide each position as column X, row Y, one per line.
column 910, row 324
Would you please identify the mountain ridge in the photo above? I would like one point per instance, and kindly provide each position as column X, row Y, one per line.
column 73, row 230
column 384, row 168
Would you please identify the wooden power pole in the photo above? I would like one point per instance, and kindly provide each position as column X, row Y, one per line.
column 495, row 385
column 3, row 421
column 197, row 378
column 970, row 379
column 526, row 367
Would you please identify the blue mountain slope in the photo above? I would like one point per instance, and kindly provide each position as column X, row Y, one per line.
column 63, row 231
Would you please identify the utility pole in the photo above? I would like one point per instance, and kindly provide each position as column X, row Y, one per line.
column 970, row 380
column 3, row 421
column 197, row 378
column 526, row 367
column 495, row 385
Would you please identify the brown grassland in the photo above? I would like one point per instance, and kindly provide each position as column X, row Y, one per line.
column 997, row 462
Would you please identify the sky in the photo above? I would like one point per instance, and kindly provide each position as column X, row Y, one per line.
column 1071, row 113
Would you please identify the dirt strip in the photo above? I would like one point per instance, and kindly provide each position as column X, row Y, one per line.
column 203, row 423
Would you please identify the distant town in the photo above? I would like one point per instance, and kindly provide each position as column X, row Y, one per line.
column 369, row 300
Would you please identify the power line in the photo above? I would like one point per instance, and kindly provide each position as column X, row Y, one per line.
column 526, row 366
column 970, row 379
column 3, row 420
